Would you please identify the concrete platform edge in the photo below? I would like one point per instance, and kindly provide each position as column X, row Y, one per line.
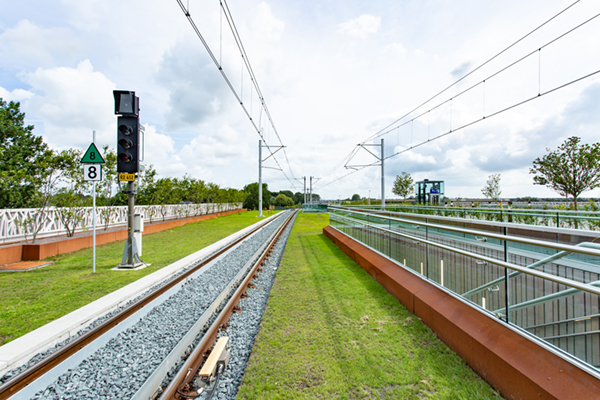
column 20, row 350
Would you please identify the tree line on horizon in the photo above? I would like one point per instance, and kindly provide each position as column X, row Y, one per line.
column 32, row 175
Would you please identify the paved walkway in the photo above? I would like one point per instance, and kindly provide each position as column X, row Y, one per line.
column 24, row 266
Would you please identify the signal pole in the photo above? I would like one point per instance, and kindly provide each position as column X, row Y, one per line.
column 260, row 214
column 260, row 167
column 304, row 190
column 381, row 159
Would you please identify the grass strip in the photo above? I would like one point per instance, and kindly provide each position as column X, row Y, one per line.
column 31, row 299
column 330, row 331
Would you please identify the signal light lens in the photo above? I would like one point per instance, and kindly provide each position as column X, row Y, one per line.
column 125, row 130
column 126, row 143
column 125, row 157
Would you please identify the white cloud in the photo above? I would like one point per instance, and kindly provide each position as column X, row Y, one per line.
column 159, row 150
column 15, row 95
column 360, row 27
column 29, row 44
column 225, row 147
column 395, row 48
column 265, row 25
column 72, row 102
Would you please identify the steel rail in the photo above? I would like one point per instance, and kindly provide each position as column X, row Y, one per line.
column 25, row 377
column 533, row 242
column 195, row 359
column 567, row 282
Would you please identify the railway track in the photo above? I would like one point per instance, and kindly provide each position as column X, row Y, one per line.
column 154, row 347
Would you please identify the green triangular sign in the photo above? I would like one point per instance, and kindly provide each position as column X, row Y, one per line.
column 92, row 156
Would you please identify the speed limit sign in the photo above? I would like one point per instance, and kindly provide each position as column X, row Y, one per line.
column 92, row 172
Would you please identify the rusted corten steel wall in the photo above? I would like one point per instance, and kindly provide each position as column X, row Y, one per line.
column 516, row 366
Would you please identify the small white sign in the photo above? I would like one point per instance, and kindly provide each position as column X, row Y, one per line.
column 92, row 172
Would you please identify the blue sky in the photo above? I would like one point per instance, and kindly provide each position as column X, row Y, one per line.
column 332, row 73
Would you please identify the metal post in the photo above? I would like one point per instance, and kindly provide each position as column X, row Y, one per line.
column 131, row 212
column 310, row 201
column 260, row 199
column 427, row 249
column 506, row 280
column 382, row 178
column 94, row 218
column 304, row 190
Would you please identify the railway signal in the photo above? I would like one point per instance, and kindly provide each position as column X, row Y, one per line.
column 128, row 165
column 128, row 135
column 128, row 131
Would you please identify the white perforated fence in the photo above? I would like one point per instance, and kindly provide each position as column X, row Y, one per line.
column 21, row 224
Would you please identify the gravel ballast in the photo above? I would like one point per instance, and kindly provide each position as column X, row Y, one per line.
column 119, row 368
column 243, row 326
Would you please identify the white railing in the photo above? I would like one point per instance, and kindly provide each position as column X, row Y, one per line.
column 21, row 223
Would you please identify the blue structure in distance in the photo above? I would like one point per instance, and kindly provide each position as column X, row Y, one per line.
column 429, row 192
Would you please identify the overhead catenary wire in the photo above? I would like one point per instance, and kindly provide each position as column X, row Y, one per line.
column 512, row 64
column 238, row 96
column 377, row 134
column 245, row 58
column 393, row 126
column 485, row 117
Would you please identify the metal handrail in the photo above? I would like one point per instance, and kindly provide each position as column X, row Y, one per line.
column 533, row 242
column 488, row 210
column 498, row 224
column 536, row 264
column 563, row 281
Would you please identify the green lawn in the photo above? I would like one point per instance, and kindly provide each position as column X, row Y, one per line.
column 31, row 299
column 330, row 331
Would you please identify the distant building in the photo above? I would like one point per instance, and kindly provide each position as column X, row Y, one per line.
column 429, row 192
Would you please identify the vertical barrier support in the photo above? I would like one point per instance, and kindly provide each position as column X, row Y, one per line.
column 382, row 178
column 260, row 199
column 427, row 248
column 506, row 273
column 390, row 238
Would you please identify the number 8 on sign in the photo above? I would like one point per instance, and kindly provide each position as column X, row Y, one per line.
column 92, row 172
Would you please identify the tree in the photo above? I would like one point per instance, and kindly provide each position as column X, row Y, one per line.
column 315, row 197
column 164, row 193
column 356, row 197
column 491, row 189
column 251, row 200
column 570, row 170
column 106, row 186
column 298, row 198
column 51, row 171
column 403, row 185
column 23, row 159
column 71, row 199
column 283, row 200
column 288, row 193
